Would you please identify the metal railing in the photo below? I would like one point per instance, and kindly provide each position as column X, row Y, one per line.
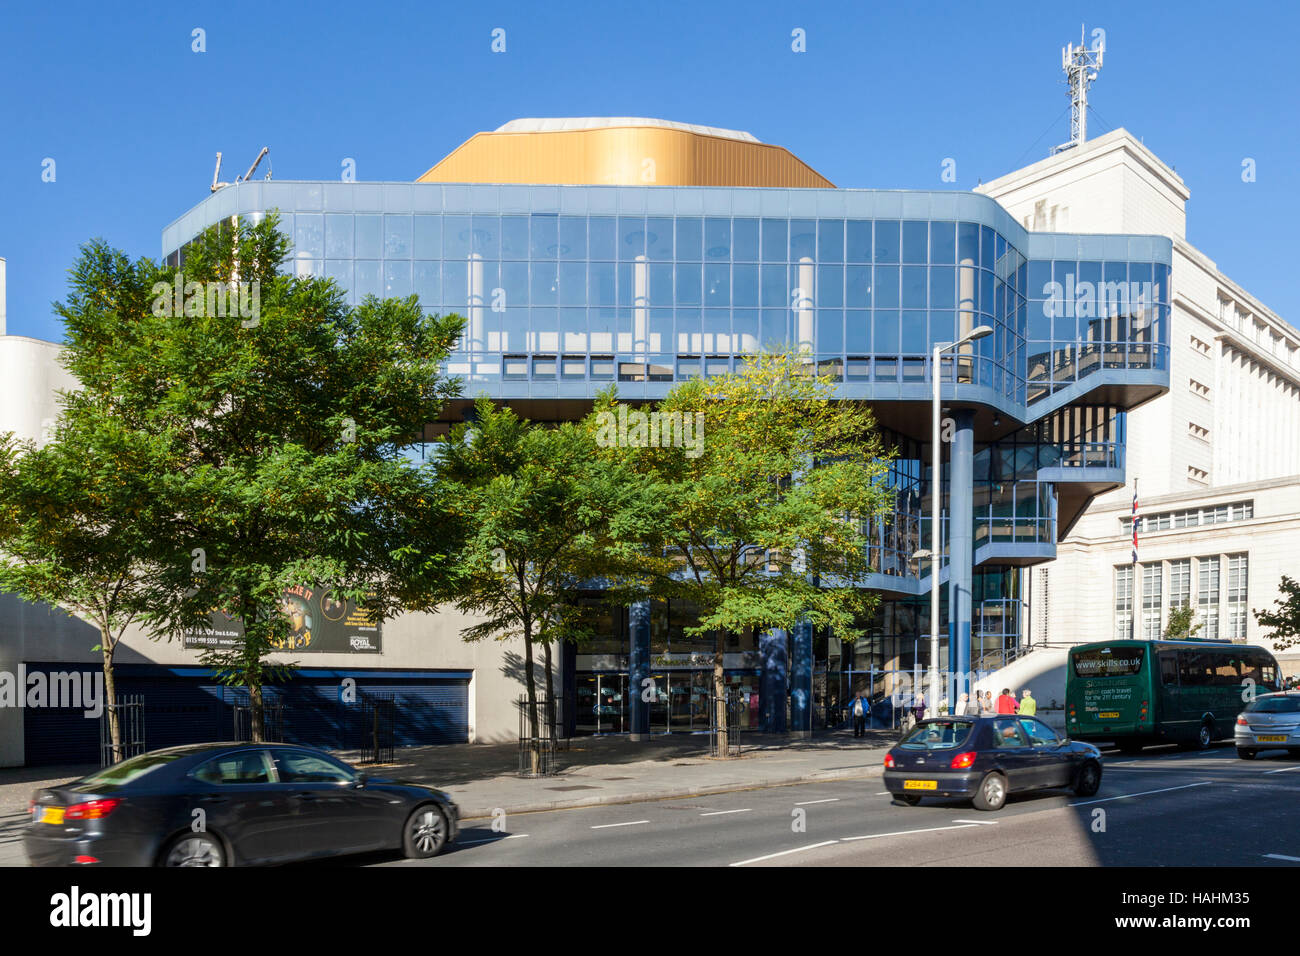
column 130, row 716
column 537, row 753
column 725, row 736
column 378, row 722
column 272, row 722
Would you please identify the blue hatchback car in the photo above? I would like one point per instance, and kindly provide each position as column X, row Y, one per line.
column 986, row 759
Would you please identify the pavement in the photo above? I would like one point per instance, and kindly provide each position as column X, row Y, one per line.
column 592, row 771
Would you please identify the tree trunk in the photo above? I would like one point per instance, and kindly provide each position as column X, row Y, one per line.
column 550, row 694
column 530, row 681
column 257, row 731
column 720, row 700
column 110, row 697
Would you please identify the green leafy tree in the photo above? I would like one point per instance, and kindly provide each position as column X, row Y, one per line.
column 1283, row 620
column 72, row 514
column 547, row 513
column 1182, row 624
column 762, row 504
column 279, row 416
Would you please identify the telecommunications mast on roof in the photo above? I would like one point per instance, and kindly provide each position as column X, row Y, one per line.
column 1080, row 65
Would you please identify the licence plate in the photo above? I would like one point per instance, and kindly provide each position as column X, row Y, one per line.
column 52, row 815
column 1271, row 738
column 920, row 784
column 1109, row 715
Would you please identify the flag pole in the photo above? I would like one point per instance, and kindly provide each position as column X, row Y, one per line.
column 1134, row 589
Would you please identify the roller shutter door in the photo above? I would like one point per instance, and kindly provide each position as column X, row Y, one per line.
column 57, row 735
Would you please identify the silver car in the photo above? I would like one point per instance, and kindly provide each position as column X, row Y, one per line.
column 1267, row 722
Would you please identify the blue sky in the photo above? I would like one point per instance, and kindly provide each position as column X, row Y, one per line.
column 133, row 118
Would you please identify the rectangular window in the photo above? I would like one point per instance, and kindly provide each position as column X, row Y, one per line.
column 1207, row 596
column 1237, row 575
column 1151, row 601
column 1180, row 583
column 1123, row 601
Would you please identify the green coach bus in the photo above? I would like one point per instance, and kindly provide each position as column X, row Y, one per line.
column 1137, row 693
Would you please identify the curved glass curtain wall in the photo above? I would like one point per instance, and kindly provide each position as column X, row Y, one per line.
column 564, row 301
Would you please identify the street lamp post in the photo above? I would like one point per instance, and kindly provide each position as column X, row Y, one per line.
column 936, row 497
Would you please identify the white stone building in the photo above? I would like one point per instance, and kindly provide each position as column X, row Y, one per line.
column 1216, row 459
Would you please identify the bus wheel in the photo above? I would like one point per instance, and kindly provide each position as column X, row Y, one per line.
column 1205, row 736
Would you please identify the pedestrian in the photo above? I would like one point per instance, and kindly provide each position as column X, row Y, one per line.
column 1006, row 702
column 859, row 715
column 1028, row 705
column 985, row 702
column 918, row 706
column 963, row 705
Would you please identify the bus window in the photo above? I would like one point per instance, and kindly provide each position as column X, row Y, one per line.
column 1224, row 672
column 1194, row 669
column 1169, row 669
column 1105, row 662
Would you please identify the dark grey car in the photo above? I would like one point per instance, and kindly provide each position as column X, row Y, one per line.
column 233, row 804
column 985, row 759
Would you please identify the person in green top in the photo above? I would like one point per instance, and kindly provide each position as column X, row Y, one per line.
column 1028, row 705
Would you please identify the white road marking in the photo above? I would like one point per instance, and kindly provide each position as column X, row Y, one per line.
column 982, row 823
column 772, row 856
column 1144, row 793
column 1279, row 856
column 877, row 836
column 1282, row 769
column 512, row 836
column 718, row 813
column 808, row 803
column 630, row 823
column 883, row 793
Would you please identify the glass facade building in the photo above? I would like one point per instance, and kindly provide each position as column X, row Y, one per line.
column 566, row 289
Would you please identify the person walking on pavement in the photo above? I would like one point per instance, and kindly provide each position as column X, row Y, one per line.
column 1028, row 705
column 918, row 707
column 1006, row 702
column 859, row 708
column 963, row 705
column 985, row 702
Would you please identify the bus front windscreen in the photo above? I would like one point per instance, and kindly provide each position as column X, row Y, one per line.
column 1108, row 662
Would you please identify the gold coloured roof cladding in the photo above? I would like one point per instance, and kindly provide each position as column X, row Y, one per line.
column 637, row 154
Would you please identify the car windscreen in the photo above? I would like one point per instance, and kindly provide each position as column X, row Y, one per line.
column 1274, row 705
column 125, row 772
column 938, row 735
column 1108, row 661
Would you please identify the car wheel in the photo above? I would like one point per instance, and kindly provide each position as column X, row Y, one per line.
column 992, row 792
column 1246, row 754
column 909, row 799
column 1088, row 780
column 425, row 833
column 194, row 849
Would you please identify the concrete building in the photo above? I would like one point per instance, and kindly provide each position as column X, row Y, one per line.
column 1216, row 459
